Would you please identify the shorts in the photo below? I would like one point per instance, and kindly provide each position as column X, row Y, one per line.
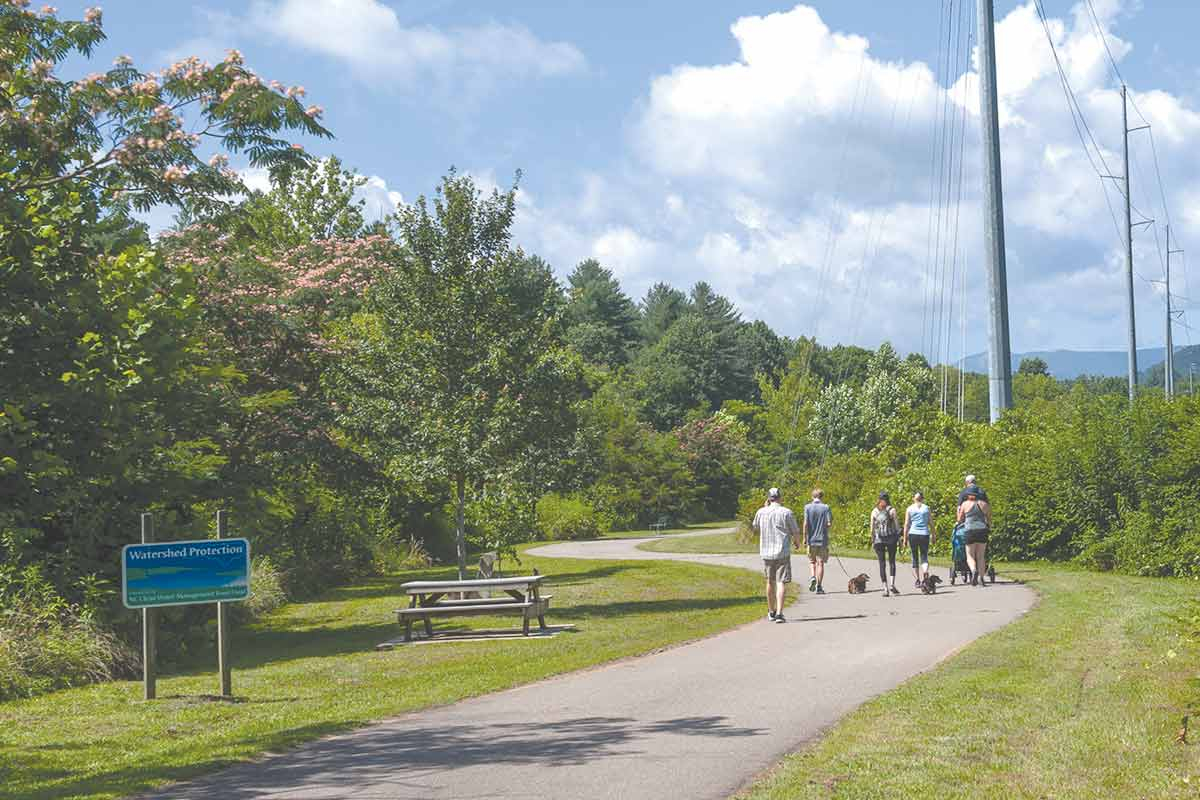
column 818, row 552
column 977, row 537
column 778, row 570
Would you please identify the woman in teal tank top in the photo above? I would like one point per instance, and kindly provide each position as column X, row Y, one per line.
column 918, row 534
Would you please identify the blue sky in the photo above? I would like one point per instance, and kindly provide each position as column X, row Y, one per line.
column 706, row 140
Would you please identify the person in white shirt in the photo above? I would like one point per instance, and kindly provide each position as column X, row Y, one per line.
column 778, row 532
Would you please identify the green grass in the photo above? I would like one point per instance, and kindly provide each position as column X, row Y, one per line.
column 310, row 669
column 699, row 526
column 712, row 543
column 1082, row 697
column 726, row 542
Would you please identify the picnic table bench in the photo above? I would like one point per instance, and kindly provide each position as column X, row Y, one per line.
column 660, row 524
column 428, row 599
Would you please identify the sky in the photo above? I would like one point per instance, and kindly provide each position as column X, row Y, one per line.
column 794, row 156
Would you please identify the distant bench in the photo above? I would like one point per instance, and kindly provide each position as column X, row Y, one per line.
column 428, row 599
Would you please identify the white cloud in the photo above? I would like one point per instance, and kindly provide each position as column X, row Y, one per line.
column 369, row 37
column 796, row 179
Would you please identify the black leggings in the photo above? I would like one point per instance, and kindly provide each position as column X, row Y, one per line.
column 920, row 550
column 890, row 550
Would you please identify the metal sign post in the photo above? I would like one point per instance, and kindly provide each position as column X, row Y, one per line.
column 149, row 625
column 222, row 631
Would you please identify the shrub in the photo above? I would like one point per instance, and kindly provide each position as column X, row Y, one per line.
column 47, row 643
column 562, row 517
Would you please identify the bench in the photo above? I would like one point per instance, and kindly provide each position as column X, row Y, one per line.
column 660, row 524
column 428, row 599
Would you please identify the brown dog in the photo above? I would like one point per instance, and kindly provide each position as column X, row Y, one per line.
column 929, row 585
column 857, row 585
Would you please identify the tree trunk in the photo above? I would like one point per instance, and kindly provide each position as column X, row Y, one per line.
column 460, row 530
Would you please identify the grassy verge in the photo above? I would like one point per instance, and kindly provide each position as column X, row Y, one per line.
column 727, row 542
column 700, row 526
column 712, row 543
column 1082, row 697
column 310, row 669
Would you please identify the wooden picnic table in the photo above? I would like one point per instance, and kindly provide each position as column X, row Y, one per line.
column 428, row 599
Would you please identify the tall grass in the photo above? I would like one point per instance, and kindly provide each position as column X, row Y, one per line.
column 47, row 643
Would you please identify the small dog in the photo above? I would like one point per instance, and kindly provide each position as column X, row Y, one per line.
column 857, row 585
column 929, row 585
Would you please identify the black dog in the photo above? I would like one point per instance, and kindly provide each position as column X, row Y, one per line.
column 857, row 585
column 929, row 585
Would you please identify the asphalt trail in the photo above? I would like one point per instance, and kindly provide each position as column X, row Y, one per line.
column 696, row 721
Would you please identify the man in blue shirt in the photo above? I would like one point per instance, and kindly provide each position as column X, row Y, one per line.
column 818, row 519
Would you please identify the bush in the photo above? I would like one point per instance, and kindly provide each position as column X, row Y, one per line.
column 47, row 643
column 562, row 517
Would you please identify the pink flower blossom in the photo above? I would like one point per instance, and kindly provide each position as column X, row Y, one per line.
column 42, row 68
column 314, row 111
column 233, row 57
column 92, row 15
column 219, row 160
column 49, row 11
column 174, row 173
column 122, row 61
column 296, row 91
column 297, row 147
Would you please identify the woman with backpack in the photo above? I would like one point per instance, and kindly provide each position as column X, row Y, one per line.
column 885, row 536
column 975, row 514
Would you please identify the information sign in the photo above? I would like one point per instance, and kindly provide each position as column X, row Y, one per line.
column 183, row 573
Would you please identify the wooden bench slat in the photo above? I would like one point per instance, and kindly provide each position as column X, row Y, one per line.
column 453, row 586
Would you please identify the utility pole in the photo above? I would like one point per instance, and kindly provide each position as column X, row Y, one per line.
column 1169, row 361
column 1169, row 383
column 999, row 358
column 1133, row 367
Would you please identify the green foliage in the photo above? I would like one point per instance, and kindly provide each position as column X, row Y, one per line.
column 47, row 642
column 567, row 517
column 641, row 474
column 457, row 366
column 602, row 320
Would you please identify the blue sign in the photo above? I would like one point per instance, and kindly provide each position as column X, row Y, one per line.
column 182, row 573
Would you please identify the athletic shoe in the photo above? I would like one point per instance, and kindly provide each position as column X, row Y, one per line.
column 771, row 616
column 885, row 590
column 894, row 589
column 779, row 620
column 916, row 584
column 820, row 589
column 812, row 585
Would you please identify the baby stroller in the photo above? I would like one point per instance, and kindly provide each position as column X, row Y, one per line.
column 959, row 548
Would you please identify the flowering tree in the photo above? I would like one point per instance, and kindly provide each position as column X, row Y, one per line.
column 717, row 451
column 107, row 402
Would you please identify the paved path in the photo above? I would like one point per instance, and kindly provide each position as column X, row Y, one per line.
column 696, row 721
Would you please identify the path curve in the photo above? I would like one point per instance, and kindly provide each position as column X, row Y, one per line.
column 696, row 721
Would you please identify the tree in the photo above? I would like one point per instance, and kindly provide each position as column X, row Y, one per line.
column 603, row 320
column 458, row 366
column 1032, row 365
column 107, row 382
column 660, row 308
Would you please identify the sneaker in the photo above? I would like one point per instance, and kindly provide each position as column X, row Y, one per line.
column 916, row 584
column 894, row 589
column 812, row 585
column 779, row 620
column 885, row 590
column 771, row 616
column 820, row 589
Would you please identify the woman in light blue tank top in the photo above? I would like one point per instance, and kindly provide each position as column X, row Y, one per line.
column 918, row 533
